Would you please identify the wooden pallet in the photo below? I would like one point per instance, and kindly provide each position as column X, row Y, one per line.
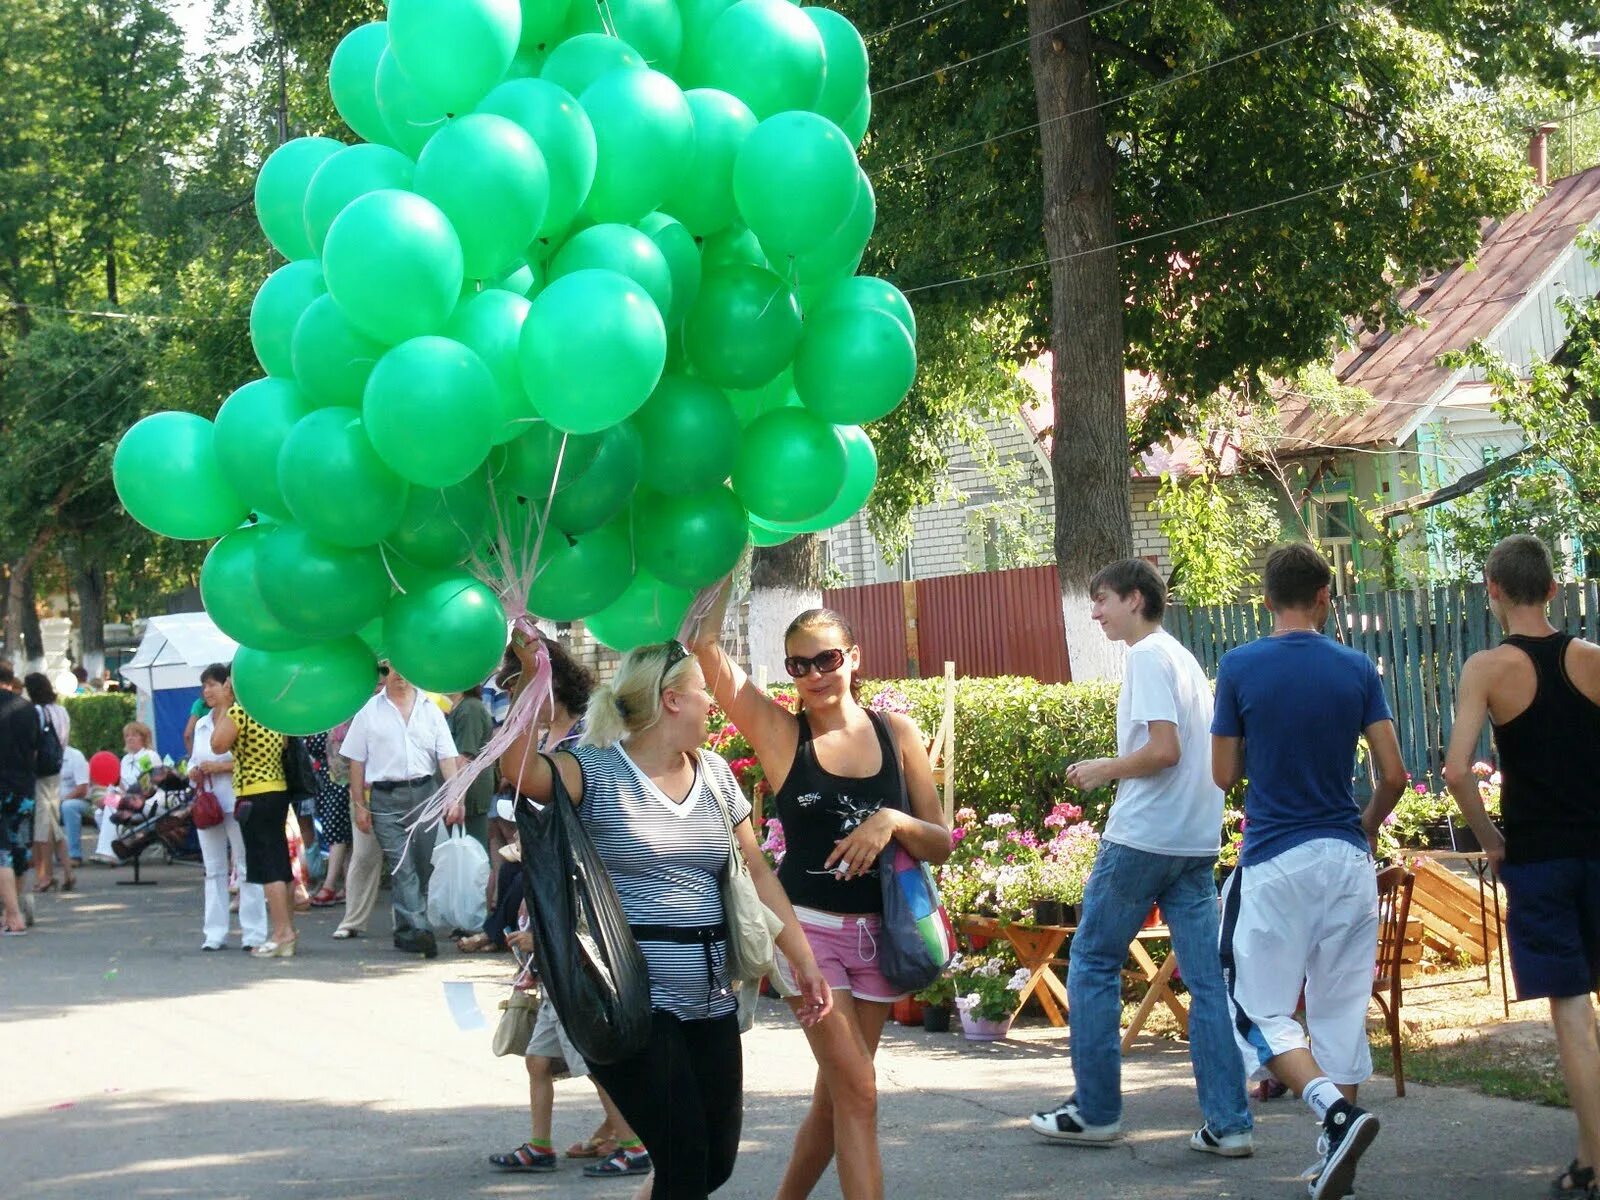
column 1447, row 906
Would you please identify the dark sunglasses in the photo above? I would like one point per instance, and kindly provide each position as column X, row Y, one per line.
column 826, row 663
column 384, row 671
column 676, row 653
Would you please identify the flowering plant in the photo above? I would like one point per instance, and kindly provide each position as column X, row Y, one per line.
column 889, row 698
column 999, row 868
column 773, row 844
column 986, row 986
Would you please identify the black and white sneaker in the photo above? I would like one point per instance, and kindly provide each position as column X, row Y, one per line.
column 1228, row 1145
column 1063, row 1124
column 1350, row 1130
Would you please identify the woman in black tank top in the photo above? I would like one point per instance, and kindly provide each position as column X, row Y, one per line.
column 837, row 769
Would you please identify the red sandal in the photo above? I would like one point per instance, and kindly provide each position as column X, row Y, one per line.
column 326, row 897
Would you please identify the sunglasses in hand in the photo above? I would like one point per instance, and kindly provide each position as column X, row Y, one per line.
column 826, row 663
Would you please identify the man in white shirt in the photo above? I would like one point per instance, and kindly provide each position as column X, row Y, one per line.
column 1159, row 847
column 75, row 801
column 395, row 744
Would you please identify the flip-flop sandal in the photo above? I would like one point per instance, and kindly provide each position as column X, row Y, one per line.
column 476, row 943
column 619, row 1164
column 525, row 1158
column 14, row 932
column 326, row 898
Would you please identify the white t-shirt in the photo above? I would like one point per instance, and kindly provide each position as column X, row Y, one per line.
column 74, row 771
column 1179, row 810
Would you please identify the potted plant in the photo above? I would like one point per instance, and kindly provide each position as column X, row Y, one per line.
column 986, row 996
column 937, row 999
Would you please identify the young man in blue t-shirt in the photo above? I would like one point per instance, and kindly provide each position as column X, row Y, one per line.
column 1303, row 905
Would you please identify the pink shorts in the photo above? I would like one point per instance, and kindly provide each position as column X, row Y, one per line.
column 846, row 948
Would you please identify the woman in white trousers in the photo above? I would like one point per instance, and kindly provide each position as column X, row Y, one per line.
column 215, row 771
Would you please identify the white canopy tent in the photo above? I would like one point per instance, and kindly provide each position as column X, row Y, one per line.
column 166, row 671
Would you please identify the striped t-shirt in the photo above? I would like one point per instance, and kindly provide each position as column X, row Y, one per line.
column 666, row 860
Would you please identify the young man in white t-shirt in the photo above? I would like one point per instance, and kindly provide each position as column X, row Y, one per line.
column 1159, row 847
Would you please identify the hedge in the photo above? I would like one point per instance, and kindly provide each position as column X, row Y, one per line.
column 97, row 720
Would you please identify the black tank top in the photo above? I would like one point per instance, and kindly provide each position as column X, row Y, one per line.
column 817, row 809
column 1550, row 762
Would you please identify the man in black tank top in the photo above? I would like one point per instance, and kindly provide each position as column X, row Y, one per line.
column 1540, row 689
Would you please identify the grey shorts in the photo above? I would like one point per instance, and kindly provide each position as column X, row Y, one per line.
column 550, row 1041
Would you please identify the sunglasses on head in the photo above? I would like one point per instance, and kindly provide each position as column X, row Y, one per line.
column 826, row 663
column 384, row 670
column 676, row 653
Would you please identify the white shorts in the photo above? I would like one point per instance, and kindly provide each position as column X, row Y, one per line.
column 550, row 1041
column 1306, row 918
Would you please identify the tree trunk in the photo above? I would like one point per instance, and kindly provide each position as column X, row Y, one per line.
column 1089, row 457
column 24, row 645
column 784, row 581
column 89, row 584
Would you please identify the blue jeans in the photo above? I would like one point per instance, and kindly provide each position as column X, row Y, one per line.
column 72, row 814
column 1124, row 884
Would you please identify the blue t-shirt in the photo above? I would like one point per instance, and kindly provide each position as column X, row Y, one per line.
column 1300, row 701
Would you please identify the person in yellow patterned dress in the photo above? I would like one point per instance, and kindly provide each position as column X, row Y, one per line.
column 259, row 786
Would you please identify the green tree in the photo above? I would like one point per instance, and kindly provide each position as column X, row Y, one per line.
column 1214, row 525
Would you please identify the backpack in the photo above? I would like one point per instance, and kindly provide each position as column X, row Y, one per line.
column 299, row 775
column 47, row 758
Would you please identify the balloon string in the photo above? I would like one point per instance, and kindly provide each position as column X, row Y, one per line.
column 607, row 21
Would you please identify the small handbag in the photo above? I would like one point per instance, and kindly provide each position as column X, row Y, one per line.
column 207, row 809
column 916, row 941
column 514, row 1029
column 751, row 924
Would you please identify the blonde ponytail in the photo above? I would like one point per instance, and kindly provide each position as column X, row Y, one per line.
column 631, row 702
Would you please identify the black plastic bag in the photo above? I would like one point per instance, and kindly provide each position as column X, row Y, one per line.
column 590, row 966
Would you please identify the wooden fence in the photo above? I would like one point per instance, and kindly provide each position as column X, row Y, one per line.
column 1419, row 640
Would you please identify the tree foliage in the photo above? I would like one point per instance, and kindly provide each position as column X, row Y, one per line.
column 1215, row 525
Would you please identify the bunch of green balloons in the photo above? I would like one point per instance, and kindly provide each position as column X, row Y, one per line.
column 575, row 323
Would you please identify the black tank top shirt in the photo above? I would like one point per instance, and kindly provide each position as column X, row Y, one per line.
column 818, row 809
column 1550, row 762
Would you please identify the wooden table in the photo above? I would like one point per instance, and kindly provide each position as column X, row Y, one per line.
column 1038, row 949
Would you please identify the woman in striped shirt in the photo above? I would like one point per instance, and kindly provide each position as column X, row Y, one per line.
column 649, row 799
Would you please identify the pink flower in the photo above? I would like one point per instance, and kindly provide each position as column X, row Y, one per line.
column 956, row 835
column 966, row 816
column 1422, row 789
column 1482, row 770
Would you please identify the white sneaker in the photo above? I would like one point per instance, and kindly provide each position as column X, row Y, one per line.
column 1063, row 1124
column 1232, row 1145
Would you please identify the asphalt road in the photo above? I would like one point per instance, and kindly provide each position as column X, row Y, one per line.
column 135, row 1066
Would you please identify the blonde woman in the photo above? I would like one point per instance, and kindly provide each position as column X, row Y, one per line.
column 650, row 800
column 836, row 769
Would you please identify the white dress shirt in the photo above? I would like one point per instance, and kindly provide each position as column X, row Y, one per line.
column 393, row 749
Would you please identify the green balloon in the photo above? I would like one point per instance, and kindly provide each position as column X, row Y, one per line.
column 331, row 357
column 762, row 534
column 846, row 56
column 485, row 174
column 490, row 325
column 855, row 124
column 334, row 482
column 526, row 63
column 795, row 181
column 682, row 252
column 317, row 589
column 579, row 61
column 604, row 490
column 425, row 411
column 353, row 172
column 854, row 365
column 648, row 611
column 305, row 691
column 593, row 348
column 620, row 248
column 580, row 575
column 230, row 589
column 840, row 254
column 860, row 477
column 281, row 192
column 520, row 280
column 441, row 527
column 393, row 265
column 690, row 435
column 790, row 466
column 352, row 79
column 528, row 466
column 556, row 122
column 645, row 137
column 865, row 291
column 543, row 22
column 372, row 635
column 446, row 634
column 251, row 427
column 766, row 53
column 169, row 478
column 733, row 246
column 692, row 540
column 279, row 304
column 653, row 27
column 703, row 197
column 747, row 406
column 454, row 51
column 743, row 328
column 409, row 116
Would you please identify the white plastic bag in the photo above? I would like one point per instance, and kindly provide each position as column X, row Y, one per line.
column 460, row 881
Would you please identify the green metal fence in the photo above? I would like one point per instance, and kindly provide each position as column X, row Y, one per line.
column 1419, row 640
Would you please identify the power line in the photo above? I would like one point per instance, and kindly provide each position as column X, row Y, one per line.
column 109, row 314
column 917, row 20
column 1142, row 91
column 967, row 62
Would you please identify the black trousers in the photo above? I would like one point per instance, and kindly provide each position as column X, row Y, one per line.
column 266, row 848
column 508, row 900
column 684, row 1097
